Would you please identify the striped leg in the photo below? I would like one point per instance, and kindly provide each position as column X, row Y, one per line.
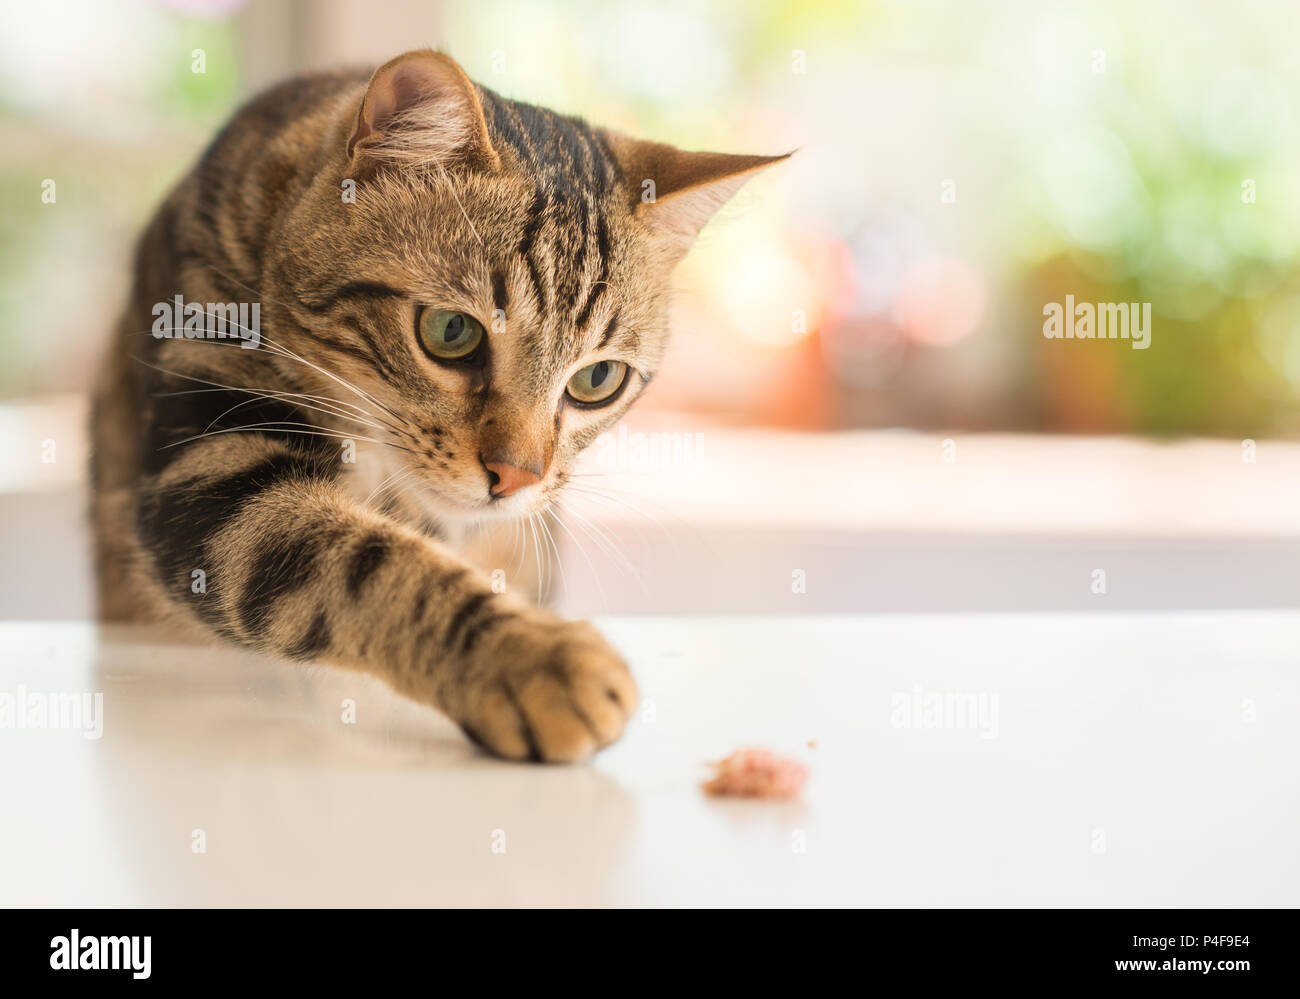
column 293, row 566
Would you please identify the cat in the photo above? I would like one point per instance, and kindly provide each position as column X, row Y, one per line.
column 454, row 294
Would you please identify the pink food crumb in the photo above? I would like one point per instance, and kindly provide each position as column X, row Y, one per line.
column 756, row 773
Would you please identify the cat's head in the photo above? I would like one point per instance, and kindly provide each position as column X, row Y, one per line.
column 494, row 274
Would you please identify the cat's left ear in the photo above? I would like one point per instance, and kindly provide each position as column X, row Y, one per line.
column 421, row 108
column 676, row 192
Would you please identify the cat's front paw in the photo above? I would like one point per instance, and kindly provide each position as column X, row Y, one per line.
column 550, row 690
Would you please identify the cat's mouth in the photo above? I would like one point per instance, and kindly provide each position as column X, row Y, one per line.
column 455, row 510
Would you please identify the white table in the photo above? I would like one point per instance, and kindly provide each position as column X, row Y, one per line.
column 1136, row 759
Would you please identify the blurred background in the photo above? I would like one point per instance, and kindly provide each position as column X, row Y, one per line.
column 859, row 388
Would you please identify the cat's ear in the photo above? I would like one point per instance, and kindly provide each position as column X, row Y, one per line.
column 418, row 108
column 676, row 192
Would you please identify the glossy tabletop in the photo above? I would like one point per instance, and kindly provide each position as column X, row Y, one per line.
column 1116, row 759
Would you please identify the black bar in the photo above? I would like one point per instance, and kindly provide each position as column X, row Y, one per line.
column 923, row 948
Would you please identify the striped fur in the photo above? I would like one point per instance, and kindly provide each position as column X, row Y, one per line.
column 225, row 502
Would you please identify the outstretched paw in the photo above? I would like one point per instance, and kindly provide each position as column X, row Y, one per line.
column 552, row 691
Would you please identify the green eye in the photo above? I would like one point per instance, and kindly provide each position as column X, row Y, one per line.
column 597, row 382
column 449, row 336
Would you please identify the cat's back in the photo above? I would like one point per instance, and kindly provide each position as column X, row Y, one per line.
column 205, row 242
column 211, row 232
column 290, row 116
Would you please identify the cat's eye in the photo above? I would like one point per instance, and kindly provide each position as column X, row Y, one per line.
column 597, row 383
column 449, row 336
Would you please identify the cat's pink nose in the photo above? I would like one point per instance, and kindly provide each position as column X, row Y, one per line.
column 510, row 479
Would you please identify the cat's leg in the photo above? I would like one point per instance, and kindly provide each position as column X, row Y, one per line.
column 293, row 566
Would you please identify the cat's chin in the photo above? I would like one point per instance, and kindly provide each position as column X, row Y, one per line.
column 457, row 514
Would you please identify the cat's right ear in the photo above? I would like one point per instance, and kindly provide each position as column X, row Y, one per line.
column 421, row 108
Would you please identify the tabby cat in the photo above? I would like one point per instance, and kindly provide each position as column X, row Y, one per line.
column 454, row 294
